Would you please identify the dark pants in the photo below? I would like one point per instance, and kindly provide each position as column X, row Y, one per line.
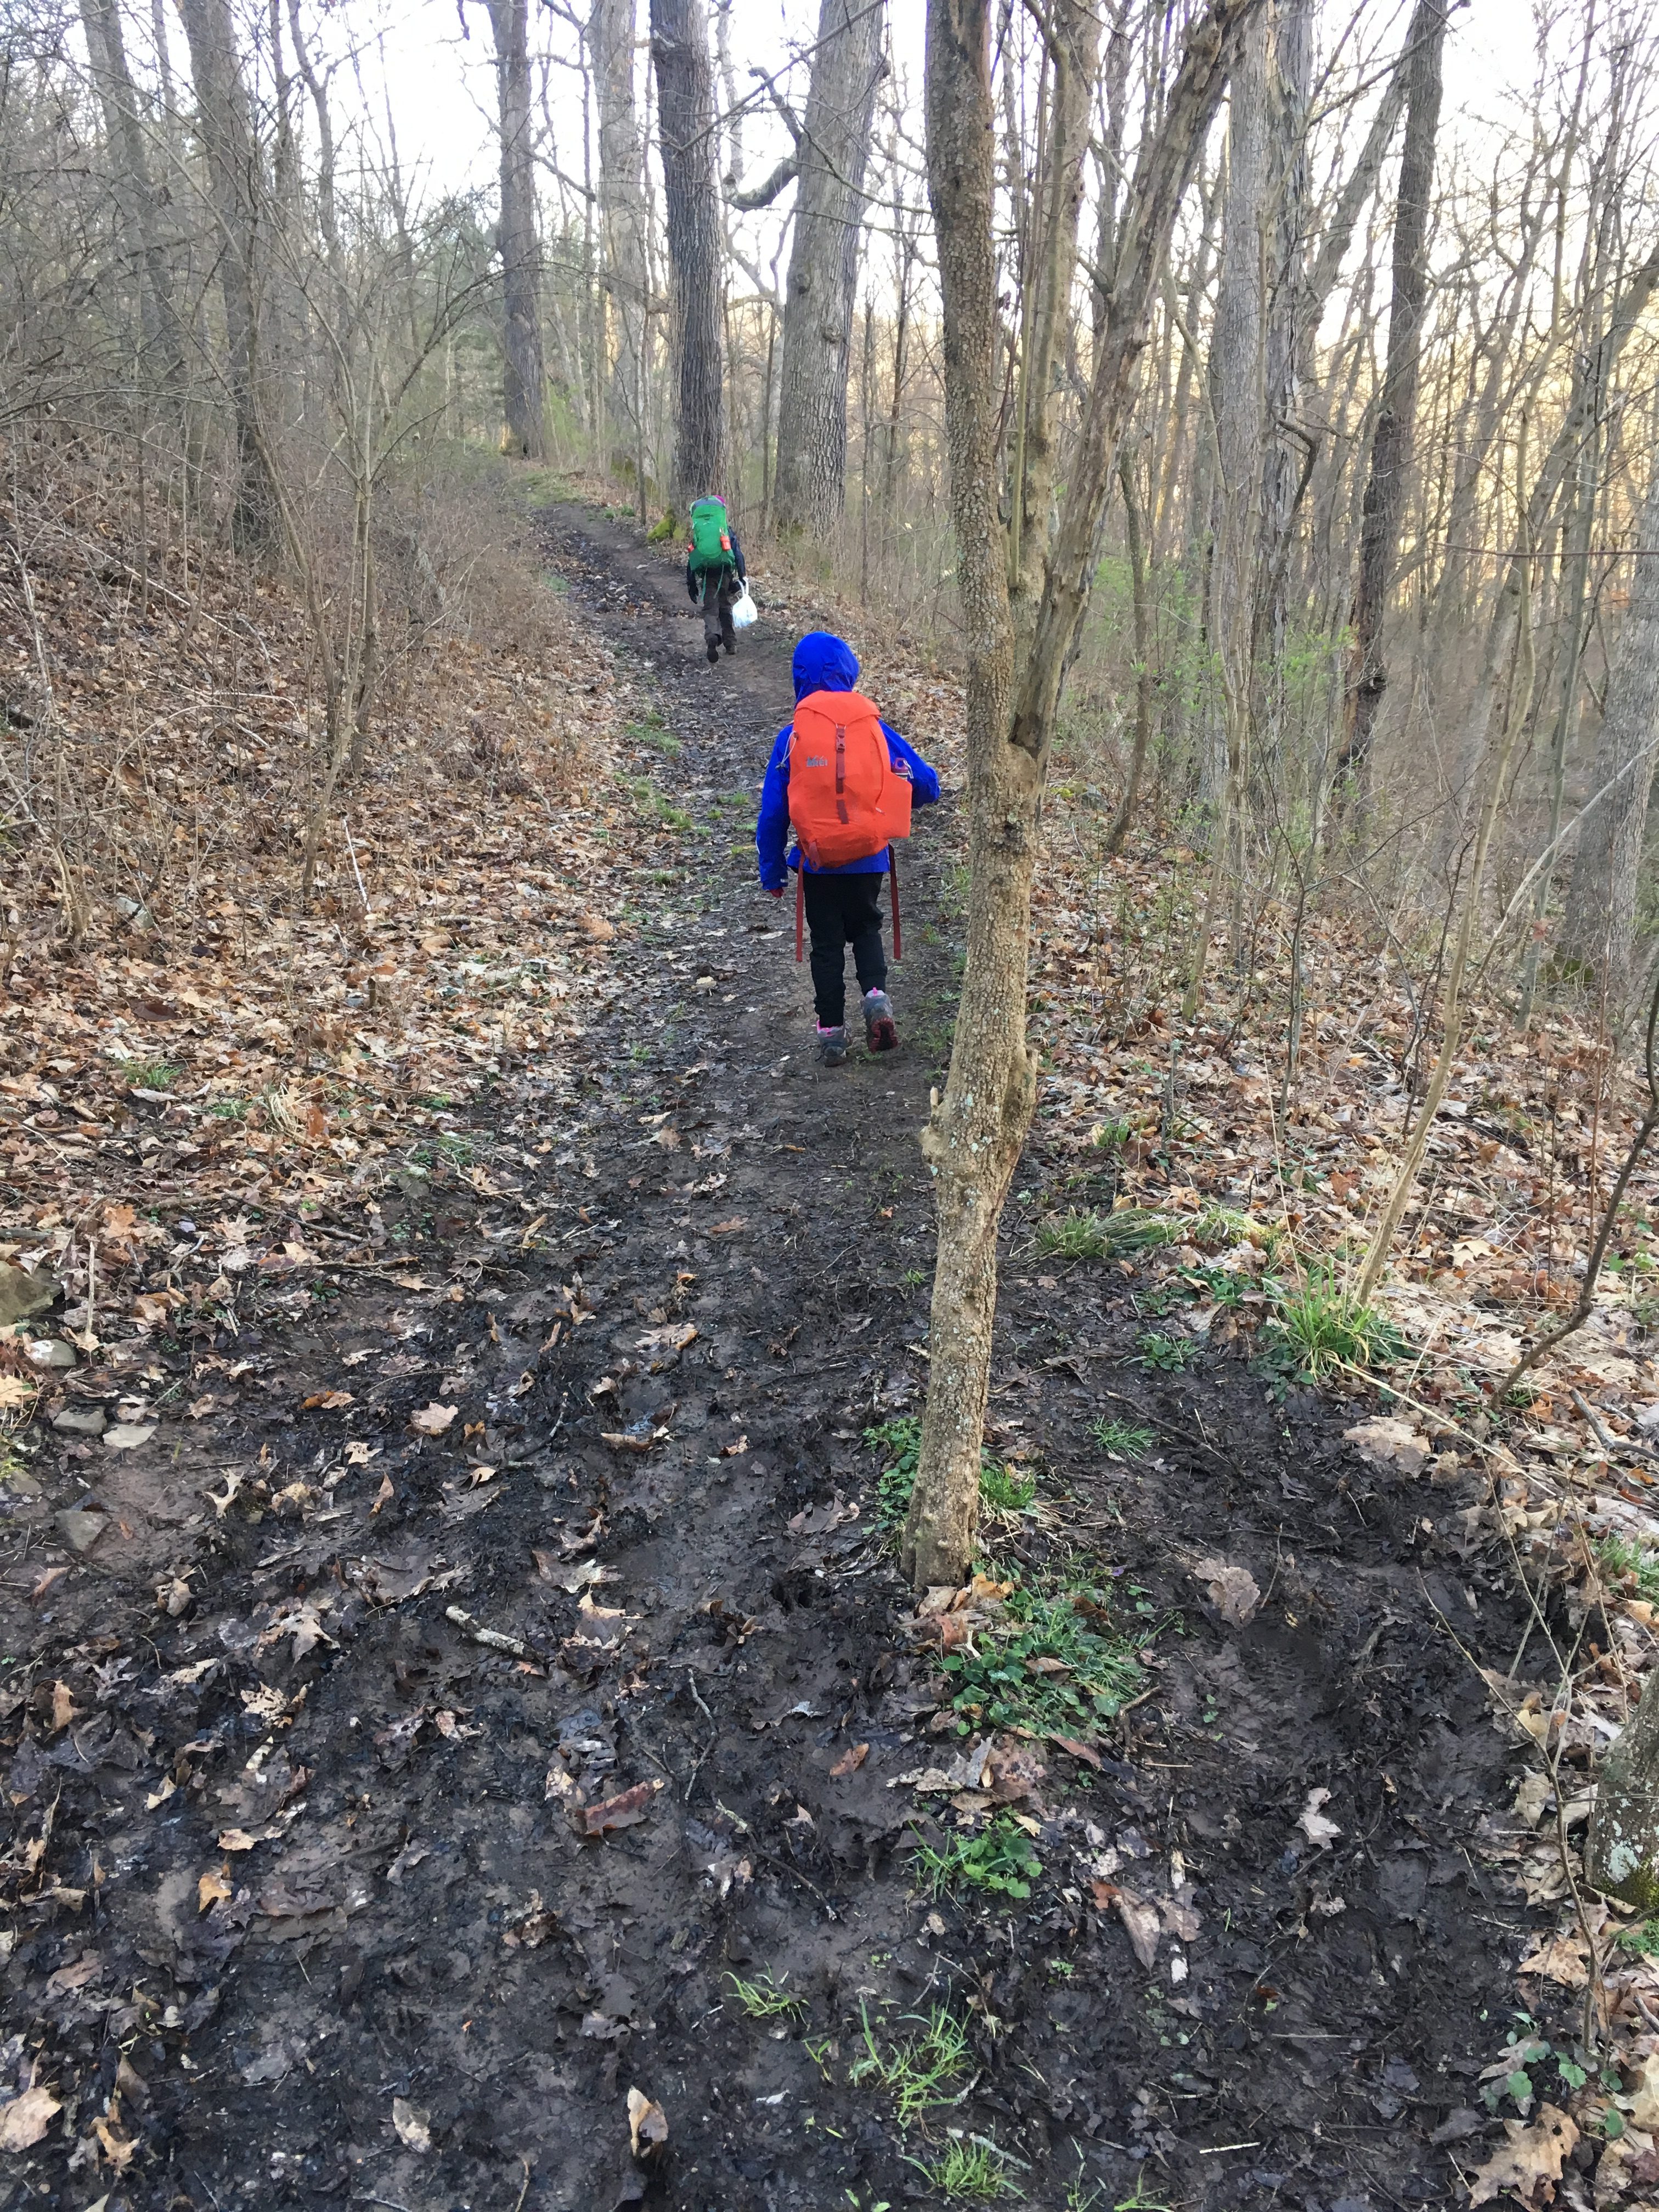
column 720, row 592
column 843, row 910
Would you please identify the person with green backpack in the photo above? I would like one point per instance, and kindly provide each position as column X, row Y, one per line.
column 714, row 572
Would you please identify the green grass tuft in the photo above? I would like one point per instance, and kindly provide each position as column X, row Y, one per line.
column 1620, row 1557
column 973, row 2172
column 149, row 1074
column 1170, row 1355
column 918, row 2073
column 1123, row 1439
column 1091, row 1235
column 1321, row 1326
column 766, row 1999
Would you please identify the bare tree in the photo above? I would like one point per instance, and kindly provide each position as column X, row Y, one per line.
column 685, row 110
column 234, row 192
column 523, row 376
column 818, row 297
column 1389, row 479
column 977, row 1130
column 621, row 216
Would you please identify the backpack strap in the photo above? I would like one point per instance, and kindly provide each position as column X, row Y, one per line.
column 892, row 881
column 800, row 906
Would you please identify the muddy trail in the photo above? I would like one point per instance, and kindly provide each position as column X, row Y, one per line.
column 387, row 1806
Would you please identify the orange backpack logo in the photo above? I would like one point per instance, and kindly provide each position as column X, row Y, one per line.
column 846, row 799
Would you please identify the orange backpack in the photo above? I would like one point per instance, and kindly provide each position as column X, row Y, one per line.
column 846, row 801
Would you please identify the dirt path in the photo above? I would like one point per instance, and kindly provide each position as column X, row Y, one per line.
column 303, row 1915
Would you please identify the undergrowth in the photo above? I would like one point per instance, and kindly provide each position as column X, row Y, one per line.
column 1620, row 1557
column 1321, row 1326
column 1091, row 1235
column 1122, row 1439
column 917, row 2072
column 899, row 1441
column 1055, row 1664
column 975, row 2173
column 1001, row 1861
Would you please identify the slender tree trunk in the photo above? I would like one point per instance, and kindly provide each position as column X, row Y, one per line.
column 1391, row 444
column 818, row 293
column 685, row 108
column 621, row 207
column 232, row 184
column 1600, row 929
column 524, row 380
column 164, row 339
column 974, row 1139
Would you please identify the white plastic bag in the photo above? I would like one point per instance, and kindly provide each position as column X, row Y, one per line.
column 744, row 610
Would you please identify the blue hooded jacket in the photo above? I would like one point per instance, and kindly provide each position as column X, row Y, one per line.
column 824, row 662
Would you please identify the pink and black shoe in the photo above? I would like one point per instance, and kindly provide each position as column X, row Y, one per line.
column 880, row 1031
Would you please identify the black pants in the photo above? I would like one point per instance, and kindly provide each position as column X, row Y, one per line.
column 843, row 910
column 720, row 592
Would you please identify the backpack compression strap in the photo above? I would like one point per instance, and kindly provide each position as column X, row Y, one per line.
column 800, row 906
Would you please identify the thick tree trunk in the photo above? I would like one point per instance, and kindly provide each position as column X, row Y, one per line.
column 1622, row 1855
column 685, row 110
column 823, row 263
column 524, row 380
column 232, row 162
column 1391, row 444
column 621, row 211
column 163, row 338
column 1600, row 929
column 973, row 1138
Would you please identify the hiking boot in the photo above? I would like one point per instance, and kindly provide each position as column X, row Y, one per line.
column 880, row 1033
column 714, row 653
column 731, row 645
column 832, row 1045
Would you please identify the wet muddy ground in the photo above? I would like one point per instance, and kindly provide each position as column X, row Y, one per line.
column 304, row 1912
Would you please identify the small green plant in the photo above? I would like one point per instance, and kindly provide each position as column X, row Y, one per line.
column 1091, row 1235
column 1643, row 1939
column 1620, row 1557
column 1522, row 2058
column 1136, row 2201
column 918, row 2072
column 653, row 731
column 1051, row 1664
column 1111, row 1136
column 1169, row 1355
column 1000, row 1861
column 899, row 1443
column 149, row 1074
column 766, row 1999
column 1219, row 1227
column 228, row 1110
column 1321, row 1326
column 1122, row 1439
column 974, row 2172
column 458, row 1151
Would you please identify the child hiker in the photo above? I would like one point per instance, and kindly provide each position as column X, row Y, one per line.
column 714, row 572
column 843, row 783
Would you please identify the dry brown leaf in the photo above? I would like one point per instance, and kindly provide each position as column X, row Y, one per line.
column 236, row 1839
column 1386, row 1442
column 414, row 2126
column 850, row 1762
column 383, row 1496
column 432, row 1420
column 1143, row 1925
column 1533, row 2155
column 647, row 2126
column 1558, row 1959
column 212, row 1889
column 625, row 1810
column 1233, row 1591
column 26, row 2119
column 327, row 1402
column 729, row 1228
column 63, row 1707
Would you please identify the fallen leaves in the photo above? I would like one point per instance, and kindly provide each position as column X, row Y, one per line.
column 849, row 1762
column 647, row 2126
column 26, row 2119
column 1386, row 1442
column 212, row 1889
column 432, row 1420
column 1232, row 1590
column 1533, row 2156
column 412, row 2125
column 1313, row 1823
column 625, row 1810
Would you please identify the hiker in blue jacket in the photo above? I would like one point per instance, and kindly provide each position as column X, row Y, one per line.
column 843, row 905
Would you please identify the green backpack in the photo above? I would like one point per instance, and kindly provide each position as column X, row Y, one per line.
column 710, row 542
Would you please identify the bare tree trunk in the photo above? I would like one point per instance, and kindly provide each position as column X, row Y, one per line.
column 524, row 379
column 685, row 108
column 233, row 182
column 1600, row 929
column 818, row 295
column 973, row 1138
column 1396, row 414
column 164, row 339
column 621, row 207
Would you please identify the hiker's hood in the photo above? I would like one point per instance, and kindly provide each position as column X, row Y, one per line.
column 825, row 662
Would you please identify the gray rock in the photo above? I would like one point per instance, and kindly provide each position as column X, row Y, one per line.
column 81, row 1421
column 81, row 1531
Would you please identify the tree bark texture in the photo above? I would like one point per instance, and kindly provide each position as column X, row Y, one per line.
column 1622, row 1857
column 824, row 266
column 973, row 1138
column 524, row 380
column 1600, row 929
column 163, row 336
column 1239, row 396
column 232, row 159
column 1396, row 414
column 621, row 210
column 685, row 111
